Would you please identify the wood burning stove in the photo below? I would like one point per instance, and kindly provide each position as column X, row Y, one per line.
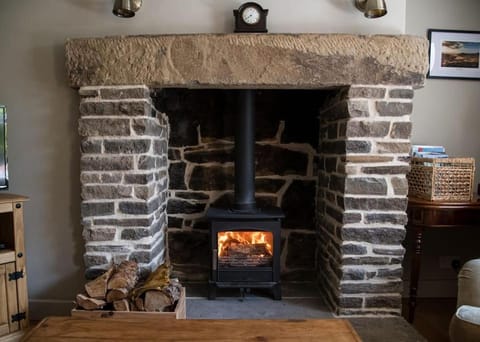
column 244, row 239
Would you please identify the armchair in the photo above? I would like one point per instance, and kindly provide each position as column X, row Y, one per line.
column 465, row 323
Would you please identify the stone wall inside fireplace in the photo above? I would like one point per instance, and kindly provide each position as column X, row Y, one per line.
column 201, row 164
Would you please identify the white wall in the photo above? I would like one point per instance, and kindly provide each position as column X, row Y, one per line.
column 42, row 109
column 446, row 112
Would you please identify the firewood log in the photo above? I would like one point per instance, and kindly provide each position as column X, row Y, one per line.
column 116, row 294
column 97, row 288
column 156, row 300
column 125, row 276
column 89, row 303
column 121, row 305
column 139, row 306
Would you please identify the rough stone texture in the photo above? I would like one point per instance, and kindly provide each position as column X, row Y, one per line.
column 244, row 60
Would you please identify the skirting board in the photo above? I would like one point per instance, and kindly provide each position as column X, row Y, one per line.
column 41, row 308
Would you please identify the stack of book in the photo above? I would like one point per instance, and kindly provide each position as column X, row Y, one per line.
column 428, row 151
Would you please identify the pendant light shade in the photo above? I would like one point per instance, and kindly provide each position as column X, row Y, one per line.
column 372, row 8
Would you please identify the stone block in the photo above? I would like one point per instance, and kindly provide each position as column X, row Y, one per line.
column 357, row 146
column 99, row 234
column 106, row 163
column 160, row 147
column 350, row 302
column 91, row 146
column 175, row 222
column 127, row 146
column 367, row 92
column 401, row 93
column 370, row 287
column 144, row 192
column 100, row 127
column 386, row 170
column 146, row 162
column 388, row 273
column 365, row 186
column 365, row 260
column 208, row 178
column 95, row 259
column 275, row 160
column 401, row 130
column 125, row 222
column 374, row 129
column 97, row 209
column 353, row 274
column 138, row 178
column 337, row 183
column 358, row 109
column 399, row 218
column 393, row 301
column 190, row 195
column 89, row 178
column 96, row 192
column 135, row 233
column 174, row 154
column 369, row 203
column 115, row 178
column 115, row 108
column 349, row 248
column 178, row 206
column 109, row 248
column 387, row 236
column 176, row 173
column 138, row 207
column 222, row 155
column 389, row 251
column 147, row 127
column 393, row 147
column 89, row 92
column 394, row 108
column 117, row 93
column 400, row 185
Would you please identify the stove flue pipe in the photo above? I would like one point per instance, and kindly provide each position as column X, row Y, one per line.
column 245, row 152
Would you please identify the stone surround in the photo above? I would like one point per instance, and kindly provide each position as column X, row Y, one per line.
column 367, row 84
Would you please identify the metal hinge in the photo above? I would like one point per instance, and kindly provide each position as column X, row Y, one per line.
column 15, row 275
column 19, row 316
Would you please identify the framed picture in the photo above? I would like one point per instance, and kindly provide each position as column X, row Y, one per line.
column 454, row 54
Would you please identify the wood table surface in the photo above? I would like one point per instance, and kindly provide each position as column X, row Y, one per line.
column 154, row 329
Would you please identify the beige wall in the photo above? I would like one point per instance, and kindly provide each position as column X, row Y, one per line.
column 446, row 112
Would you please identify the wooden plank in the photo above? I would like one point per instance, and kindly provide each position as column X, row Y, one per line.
column 4, row 328
column 6, row 207
column 9, row 198
column 12, row 302
column 71, row 328
column 20, row 261
column 7, row 255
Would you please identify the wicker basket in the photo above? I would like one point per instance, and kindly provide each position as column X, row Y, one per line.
column 441, row 179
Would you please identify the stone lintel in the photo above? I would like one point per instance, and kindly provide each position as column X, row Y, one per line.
column 248, row 60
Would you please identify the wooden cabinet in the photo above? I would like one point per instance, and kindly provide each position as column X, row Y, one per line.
column 13, row 276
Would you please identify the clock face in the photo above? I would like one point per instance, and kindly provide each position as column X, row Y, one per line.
column 251, row 15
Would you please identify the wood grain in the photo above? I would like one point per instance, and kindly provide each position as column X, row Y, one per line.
column 70, row 328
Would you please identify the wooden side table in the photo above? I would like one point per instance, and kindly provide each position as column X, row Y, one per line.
column 423, row 214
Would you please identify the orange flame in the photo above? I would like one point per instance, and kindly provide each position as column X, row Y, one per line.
column 226, row 239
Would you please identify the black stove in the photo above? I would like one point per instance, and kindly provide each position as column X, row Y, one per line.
column 244, row 239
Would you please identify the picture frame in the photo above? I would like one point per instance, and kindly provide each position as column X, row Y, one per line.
column 454, row 54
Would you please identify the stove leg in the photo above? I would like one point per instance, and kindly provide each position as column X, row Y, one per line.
column 277, row 292
column 212, row 291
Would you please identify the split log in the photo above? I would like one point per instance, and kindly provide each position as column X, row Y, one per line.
column 125, row 276
column 121, row 305
column 139, row 305
column 97, row 288
column 89, row 303
column 116, row 294
column 159, row 300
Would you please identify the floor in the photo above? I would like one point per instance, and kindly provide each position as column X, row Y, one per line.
column 299, row 301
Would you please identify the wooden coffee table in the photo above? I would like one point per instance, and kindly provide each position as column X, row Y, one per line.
column 151, row 329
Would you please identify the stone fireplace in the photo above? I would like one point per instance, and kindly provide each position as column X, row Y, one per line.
column 333, row 137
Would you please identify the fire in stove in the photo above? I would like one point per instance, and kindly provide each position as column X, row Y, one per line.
column 245, row 249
